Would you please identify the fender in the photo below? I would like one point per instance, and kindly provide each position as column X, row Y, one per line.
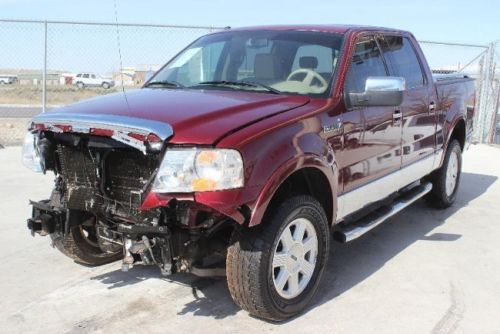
column 329, row 170
column 297, row 142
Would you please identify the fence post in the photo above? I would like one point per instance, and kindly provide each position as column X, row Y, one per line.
column 491, row 95
column 44, row 75
column 494, row 116
column 485, row 98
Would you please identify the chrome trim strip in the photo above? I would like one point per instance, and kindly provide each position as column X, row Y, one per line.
column 83, row 122
column 379, row 189
column 448, row 76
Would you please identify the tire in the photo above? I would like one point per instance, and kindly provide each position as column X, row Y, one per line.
column 106, row 85
column 444, row 190
column 80, row 247
column 252, row 274
column 80, row 85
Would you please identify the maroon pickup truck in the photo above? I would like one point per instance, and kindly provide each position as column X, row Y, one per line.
column 246, row 152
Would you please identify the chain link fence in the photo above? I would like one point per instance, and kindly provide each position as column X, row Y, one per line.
column 479, row 62
column 48, row 64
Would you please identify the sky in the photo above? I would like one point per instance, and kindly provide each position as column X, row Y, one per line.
column 448, row 20
column 460, row 21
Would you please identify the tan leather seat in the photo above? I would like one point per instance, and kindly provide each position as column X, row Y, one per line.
column 266, row 67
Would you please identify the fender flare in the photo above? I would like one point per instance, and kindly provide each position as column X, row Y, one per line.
column 282, row 173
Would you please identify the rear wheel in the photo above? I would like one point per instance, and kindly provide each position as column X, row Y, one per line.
column 80, row 85
column 106, row 85
column 445, row 181
column 82, row 245
column 274, row 270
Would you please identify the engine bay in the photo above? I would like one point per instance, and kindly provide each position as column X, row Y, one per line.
column 104, row 181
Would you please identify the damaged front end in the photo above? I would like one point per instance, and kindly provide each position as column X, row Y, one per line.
column 106, row 168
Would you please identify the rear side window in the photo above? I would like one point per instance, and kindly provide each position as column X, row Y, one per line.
column 402, row 60
column 366, row 62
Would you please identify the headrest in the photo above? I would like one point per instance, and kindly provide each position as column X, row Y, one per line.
column 308, row 62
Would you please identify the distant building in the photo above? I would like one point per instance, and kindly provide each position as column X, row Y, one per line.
column 134, row 76
column 144, row 72
column 124, row 78
column 35, row 78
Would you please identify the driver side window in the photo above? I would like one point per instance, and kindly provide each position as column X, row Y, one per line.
column 366, row 62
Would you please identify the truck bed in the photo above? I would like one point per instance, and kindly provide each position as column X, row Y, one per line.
column 455, row 96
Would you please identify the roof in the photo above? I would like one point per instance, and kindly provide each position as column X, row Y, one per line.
column 333, row 28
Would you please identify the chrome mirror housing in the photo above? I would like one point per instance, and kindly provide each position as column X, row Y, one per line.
column 385, row 84
column 379, row 92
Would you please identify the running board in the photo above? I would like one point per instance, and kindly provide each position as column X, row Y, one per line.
column 354, row 230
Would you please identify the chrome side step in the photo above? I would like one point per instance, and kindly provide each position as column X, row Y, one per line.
column 354, row 230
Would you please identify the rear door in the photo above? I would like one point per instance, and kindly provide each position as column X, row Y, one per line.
column 94, row 80
column 418, row 118
column 372, row 135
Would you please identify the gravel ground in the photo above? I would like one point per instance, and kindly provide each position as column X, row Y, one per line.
column 423, row 271
column 12, row 130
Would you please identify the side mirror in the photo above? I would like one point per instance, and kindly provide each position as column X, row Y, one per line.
column 379, row 92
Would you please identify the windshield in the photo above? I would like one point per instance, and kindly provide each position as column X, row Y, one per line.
column 280, row 62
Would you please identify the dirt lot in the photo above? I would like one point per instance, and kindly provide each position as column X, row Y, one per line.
column 56, row 95
column 18, row 104
column 12, row 130
column 423, row 271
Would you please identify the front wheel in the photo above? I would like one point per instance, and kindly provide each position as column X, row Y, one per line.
column 82, row 245
column 445, row 181
column 274, row 270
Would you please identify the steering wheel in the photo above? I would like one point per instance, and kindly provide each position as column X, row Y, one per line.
column 310, row 76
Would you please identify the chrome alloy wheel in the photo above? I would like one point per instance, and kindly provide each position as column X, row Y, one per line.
column 294, row 258
column 452, row 174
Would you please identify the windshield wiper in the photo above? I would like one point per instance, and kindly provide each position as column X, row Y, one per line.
column 238, row 83
column 164, row 83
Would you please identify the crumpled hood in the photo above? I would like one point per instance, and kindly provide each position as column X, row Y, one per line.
column 196, row 116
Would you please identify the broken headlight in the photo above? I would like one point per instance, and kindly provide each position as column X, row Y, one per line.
column 190, row 170
column 31, row 155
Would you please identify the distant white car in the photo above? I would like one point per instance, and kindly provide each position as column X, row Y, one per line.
column 83, row 80
column 8, row 79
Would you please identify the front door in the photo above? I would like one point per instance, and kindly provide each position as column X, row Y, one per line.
column 372, row 135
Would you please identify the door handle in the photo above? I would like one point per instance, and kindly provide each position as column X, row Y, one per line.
column 432, row 106
column 397, row 116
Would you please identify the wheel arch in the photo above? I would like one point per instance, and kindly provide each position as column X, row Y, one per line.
column 299, row 177
column 458, row 132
